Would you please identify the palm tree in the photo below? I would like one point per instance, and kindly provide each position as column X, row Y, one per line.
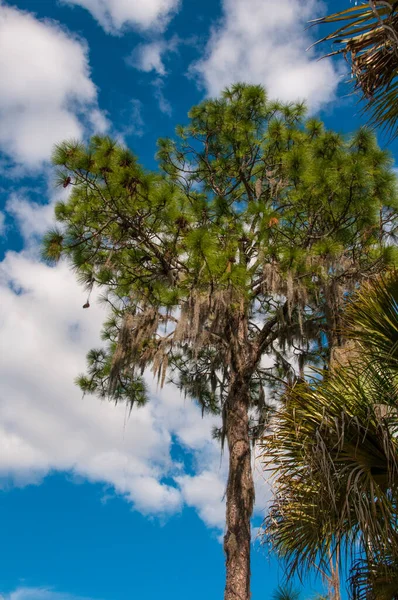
column 287, row 592
column 333, row 453
column 367, row 36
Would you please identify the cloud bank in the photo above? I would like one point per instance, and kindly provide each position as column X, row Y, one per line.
column 45, row 423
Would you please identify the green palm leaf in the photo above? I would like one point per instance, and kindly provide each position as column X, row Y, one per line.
column 285, row 593
column 333, row 452
column 373, row 321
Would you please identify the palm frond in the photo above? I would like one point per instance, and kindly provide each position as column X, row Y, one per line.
column 372, row 320
column 334, row 458
column 375, row 579
column 332, row 448
column 285, row 592
column 367, row 36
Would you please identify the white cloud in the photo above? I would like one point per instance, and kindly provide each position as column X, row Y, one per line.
column 98, row 120
column 205, row 492
column 150, row 57
column 43, row 341
column 114, row 15
column 163, row 103
column 48, row 91
column 2, row 223
column 264, row 42
column 32, row 219
column 27, row 593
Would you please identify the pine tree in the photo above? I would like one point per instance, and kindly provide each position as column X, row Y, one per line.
column 243, row 246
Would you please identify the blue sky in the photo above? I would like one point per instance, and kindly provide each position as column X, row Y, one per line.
column 93, row 504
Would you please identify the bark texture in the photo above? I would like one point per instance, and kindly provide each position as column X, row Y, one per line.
column 240, row 494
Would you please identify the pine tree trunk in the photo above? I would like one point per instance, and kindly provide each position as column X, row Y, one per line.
column 240, row 494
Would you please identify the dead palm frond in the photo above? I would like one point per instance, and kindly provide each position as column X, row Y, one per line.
column 367, row 36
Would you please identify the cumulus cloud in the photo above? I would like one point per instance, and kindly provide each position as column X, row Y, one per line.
column 45, row 335
column 48, row 93
column 205, row 492
column 40, row 405
column 31, row 218
column 150, row 57
column 115, row 15
column 264, row 42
